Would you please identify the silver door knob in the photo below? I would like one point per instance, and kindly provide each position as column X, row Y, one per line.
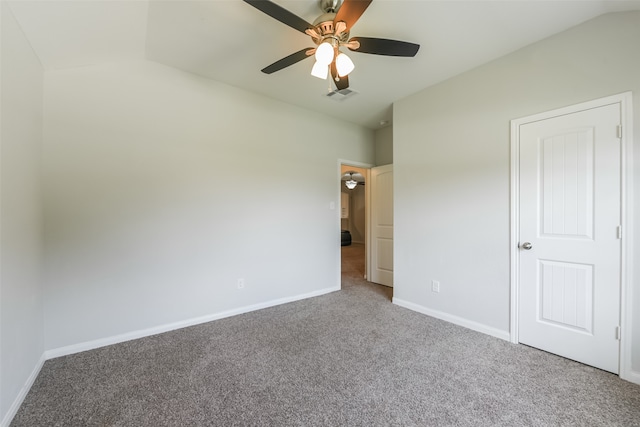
column 526, row 246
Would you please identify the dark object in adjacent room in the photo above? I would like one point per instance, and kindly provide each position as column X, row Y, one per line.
column 346, row 237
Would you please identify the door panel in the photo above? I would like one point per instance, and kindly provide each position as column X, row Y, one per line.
column 382, row 225
column 569, row 284
column 567, row 169
column 567, row 295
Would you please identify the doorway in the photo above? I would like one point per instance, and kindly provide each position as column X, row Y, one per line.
column 368, row 259
column 569, row 217
column 354, row 202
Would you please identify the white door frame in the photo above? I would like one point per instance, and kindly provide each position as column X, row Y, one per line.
column 375, row 249
column 626, row 291
column 367, row 213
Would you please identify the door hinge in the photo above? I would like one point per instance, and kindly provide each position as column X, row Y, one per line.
column 619, row 232
column 619, row 131
column 618, row 333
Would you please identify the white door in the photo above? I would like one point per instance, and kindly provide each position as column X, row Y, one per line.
column 381, row 182
column 569, row 246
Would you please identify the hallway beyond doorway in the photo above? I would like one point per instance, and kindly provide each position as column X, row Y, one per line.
column 353, row 270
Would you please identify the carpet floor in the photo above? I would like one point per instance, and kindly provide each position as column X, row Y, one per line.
column 349, row 358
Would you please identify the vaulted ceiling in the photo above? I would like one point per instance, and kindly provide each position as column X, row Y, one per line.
column 230, row 41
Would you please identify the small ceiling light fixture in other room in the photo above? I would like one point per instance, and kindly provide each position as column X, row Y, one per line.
column 351, row 183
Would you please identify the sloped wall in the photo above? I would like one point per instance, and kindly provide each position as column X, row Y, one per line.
column 21, row 310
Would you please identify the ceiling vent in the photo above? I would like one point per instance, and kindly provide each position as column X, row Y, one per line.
column 341, row 95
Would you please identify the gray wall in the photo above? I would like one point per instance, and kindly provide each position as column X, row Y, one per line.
column 451, row 154
column 384, row 146
column 134, row 196
column 162, row 189
column 21, row 311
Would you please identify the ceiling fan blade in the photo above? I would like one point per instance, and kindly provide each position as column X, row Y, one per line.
column 341, row 82
column 288, row 60
column 281, row 14
column 385, row 46
column 350, row 11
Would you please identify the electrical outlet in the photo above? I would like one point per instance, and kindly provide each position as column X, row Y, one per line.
column 435, row 286
column 240, row 283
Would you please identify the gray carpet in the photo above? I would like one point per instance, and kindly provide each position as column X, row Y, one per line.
column 350, row 358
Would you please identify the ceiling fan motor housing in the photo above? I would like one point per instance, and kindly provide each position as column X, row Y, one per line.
column 329, row 5
column 324, row 26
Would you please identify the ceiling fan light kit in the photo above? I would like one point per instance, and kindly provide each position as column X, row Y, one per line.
column 329, row 32
column 324, row 53
column 344, row 64
column 320, row 70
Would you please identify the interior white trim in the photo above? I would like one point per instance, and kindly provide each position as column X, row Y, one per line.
column 627, row 295
column 13, row 409
column 90, row 345
column 514, row 220
column 626, row 101
column 460, row 321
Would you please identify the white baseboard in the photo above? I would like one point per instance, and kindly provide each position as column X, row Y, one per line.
column 90, row 345
column 631, row 376
column 102, row 342
column 460, row 321
column 13, row 409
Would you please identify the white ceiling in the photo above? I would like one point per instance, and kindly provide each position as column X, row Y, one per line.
column 230, row 41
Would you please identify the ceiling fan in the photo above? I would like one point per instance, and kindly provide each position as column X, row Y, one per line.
column 329, row 32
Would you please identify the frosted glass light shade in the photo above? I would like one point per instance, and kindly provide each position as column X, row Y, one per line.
column 320, row 71
column 344, row 65
column 351, row 184
column 324, row 53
